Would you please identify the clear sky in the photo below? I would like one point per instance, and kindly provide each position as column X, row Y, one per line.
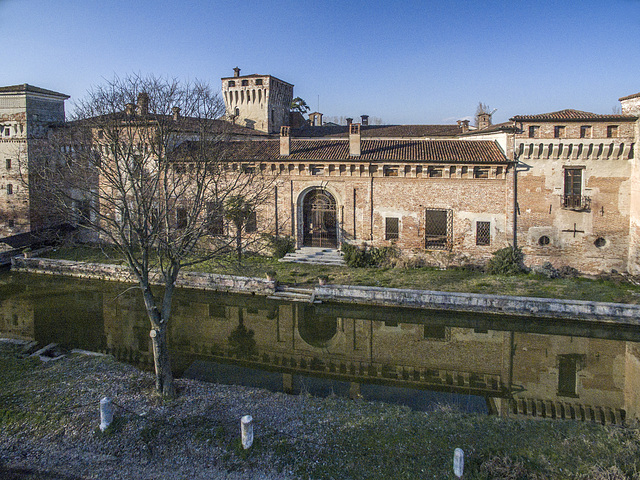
column 403, row 61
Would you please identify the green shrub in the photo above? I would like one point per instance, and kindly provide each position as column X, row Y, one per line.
column 506, row 261
column 355, row 256
column 280, row 246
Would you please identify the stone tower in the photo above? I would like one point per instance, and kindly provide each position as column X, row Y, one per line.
column 26, row 112
column 260, row 102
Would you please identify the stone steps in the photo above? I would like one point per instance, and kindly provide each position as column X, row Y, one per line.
column 293, row 294
column 317, row 256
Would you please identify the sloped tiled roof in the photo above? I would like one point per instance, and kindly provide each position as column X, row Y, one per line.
column 571, row 115
column 25, row 87
column 433, row 151
column 628, row 97
column 498, row 127
column 215, row 126
column 392, row 131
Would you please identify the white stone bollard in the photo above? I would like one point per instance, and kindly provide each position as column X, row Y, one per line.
column 458, row 462
column 106, row 413
column 246, row 429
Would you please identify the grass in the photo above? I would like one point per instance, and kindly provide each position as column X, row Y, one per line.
column 611, row 289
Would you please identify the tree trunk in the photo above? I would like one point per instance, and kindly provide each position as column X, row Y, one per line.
column 162, row 362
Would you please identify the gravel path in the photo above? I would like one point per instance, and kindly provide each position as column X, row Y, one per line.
column 195, row 436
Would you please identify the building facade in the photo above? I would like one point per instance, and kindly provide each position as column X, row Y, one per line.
column 564, row 186
column 26, row 112
column 258, row 102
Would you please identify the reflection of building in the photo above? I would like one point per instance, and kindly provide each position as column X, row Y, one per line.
column 524, row 374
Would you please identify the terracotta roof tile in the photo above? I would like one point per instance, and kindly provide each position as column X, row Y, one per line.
column 428, row 151
column 571, row 115
column 628, row 97
column 373, row 131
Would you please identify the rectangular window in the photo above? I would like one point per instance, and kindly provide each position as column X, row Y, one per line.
column 534, row 131
column 245, row 83
column 435, row 172
column 585, row 131
column 317, row 170
column 258, row 81
column 483, row 233
column 390, row 171
column 436, row 332
column 559, row 131
column 480, row 172
column 232, row 83
column 499, row 171
column 181, row 218
column 9, row 189
column 8, row 163
column 567, row 375
column 438, row 228
column 391, row 228
column 452, row 171
column 612, row 131
column 215, row 219
column 251, row 224
column 572, row 188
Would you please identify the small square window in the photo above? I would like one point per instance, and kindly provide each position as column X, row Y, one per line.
column 435, row 172
column 252, row 223
column 559, row 131
column 480, row 172
column 585, row 131
column 612, row 131
column 483, row 233
column 258, row 81
column 232, row 83
column 534, row 131
column 390, row 171
column 245, row 83
column 391, row 228
column 317, row 170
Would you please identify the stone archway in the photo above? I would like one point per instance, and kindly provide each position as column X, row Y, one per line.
column 319, row 219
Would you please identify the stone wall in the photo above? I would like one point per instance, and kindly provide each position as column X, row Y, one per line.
column 491, row 304
column 118, row 273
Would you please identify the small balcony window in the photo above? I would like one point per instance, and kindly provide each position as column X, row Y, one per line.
column 534, row 131
column 585, row 131
column 559, row 131
column 612, row 131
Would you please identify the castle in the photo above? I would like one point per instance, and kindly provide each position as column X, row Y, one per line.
column 564, row 186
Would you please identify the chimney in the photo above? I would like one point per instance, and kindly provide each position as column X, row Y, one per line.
column 354, row 139
column 236, row 72
column 364, row 120
column 143, row 103
column 484, row 121
column 130, row 109
column 285, row 141
column 349, row 122
column 464, row 125
column 176, row 113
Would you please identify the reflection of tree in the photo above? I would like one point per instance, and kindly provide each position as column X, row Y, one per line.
column 241, row 341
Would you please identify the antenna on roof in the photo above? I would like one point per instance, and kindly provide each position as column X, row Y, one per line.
column 493, row 111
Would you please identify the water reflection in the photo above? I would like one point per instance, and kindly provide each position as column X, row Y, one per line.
column 509, row 366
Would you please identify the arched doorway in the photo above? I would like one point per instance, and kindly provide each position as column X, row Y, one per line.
column 319, row 220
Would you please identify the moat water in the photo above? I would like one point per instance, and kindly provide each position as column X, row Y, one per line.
column 513, row 366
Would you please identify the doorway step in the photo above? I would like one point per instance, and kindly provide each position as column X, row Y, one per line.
column 315, row 255
column 293, row 294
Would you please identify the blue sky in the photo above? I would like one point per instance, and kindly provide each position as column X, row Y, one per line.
column 405, row 62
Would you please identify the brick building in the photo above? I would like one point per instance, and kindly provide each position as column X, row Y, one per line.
column 449, row 191
column 26, row 112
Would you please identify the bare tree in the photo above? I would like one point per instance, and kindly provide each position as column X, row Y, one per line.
column 147, row 167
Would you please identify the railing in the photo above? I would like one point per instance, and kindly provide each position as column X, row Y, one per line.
column 576, row 202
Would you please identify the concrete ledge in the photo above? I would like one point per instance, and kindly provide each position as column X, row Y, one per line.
column 119, row 273
column 619, row 313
